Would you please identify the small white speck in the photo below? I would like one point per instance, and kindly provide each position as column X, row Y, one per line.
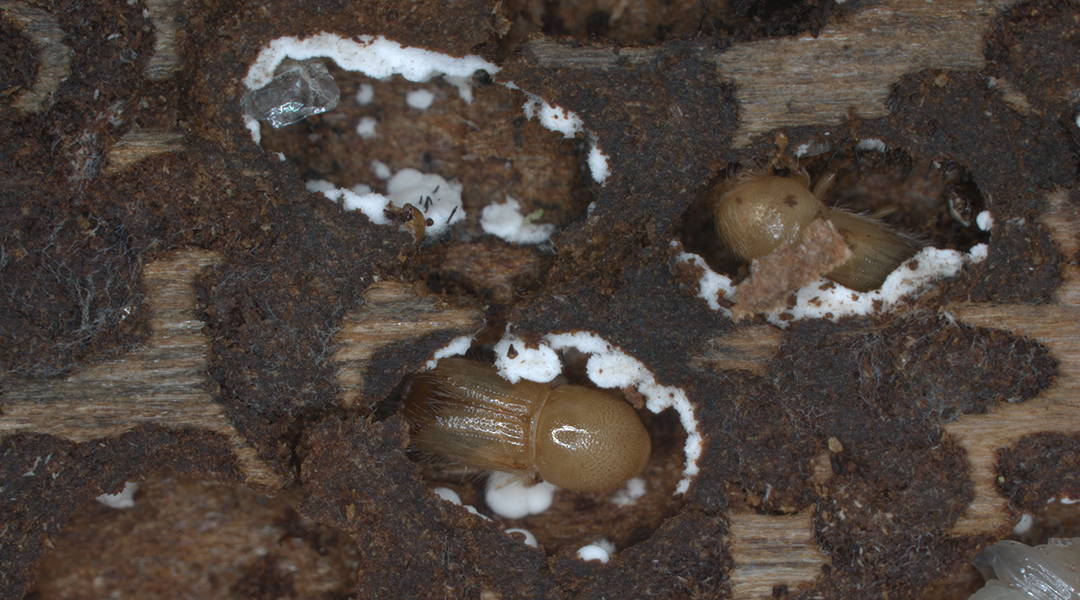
column 318, row 185
column 365, row 94
column 601, row 551
column 463, row 85
column 380, row 169
column 366, row 127
column 629, row 493
column 530, row 539
column 252, row 125
column 420, row 99
column 1024, row 525
column 280, row 156
column 506, row 221
column 457, row 347
column 984, row 220
column 1067, row 501
column 509, row 498
column 447, row 494
column 598, row 164
column 125, row 498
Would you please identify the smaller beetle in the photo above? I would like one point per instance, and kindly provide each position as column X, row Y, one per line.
column 574, row 437
column 757, row 211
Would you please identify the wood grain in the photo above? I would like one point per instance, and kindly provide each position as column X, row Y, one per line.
column 849, row 69
column 164, row 383
column 52, row 53
column 771, row 550
column 137, row 145
column 393, row 313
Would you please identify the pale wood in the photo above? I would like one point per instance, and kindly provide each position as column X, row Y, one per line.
column 1057, row 326
column 52, row 54
column 163, row 383
column 135, row 146
column 166, row 59
column 747, row 348
column 773, row 550
column 850, row 68
column 393, row 313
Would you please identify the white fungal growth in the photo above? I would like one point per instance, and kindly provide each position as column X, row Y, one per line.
column 608, row 367
column 366, row 127
column 530, row 539
column 457, row 347
column 447, row 494
column 554, row 118
column 420, row 99
column 125, row 498
column 451, row 496
column 435, row 197
column 828, row 299
column 463, row 86
column 506, row 221
column 1024, row 524
column 600, row 550
column 510, row 498
column 365, row 95
column 375, row 57
column 984, row 220
column 629, row 492
column 598, row 164
column 381, row 170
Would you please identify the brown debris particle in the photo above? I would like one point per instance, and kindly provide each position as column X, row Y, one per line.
column 789, row 268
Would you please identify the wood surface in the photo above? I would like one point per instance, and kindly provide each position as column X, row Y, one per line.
column 849, row 68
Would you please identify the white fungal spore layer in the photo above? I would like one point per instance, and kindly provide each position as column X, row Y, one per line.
column 630, row 492
column 510, row 498
column 375, row 57
column 506, row 221
column 125, row 498
column 554, row 118
column 420, row 99
column 600, row 550
column 366, row 128
column 530, row 539
column 457, row 347
column 608, row 367
column 568, row 123
column 598, row 163
column 827, row 299
column 409, row 186
column 435, row 197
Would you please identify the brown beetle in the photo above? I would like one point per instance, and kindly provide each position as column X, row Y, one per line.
column 757, row 211
column 574, row 437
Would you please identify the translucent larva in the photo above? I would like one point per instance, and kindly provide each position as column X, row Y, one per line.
column 571, row 436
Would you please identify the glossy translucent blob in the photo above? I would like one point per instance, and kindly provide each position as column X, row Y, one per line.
column 1020, row 572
